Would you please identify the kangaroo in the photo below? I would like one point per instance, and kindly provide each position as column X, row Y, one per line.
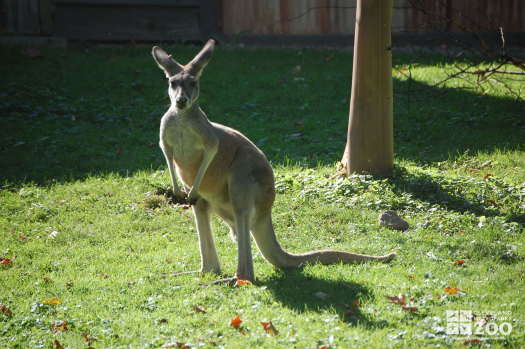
column 224, row 173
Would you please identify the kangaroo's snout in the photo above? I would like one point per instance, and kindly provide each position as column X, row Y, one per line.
column 181, row 101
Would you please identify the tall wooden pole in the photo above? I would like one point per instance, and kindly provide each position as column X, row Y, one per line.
column 370, row 146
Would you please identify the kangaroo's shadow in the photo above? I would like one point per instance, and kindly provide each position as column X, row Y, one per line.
column 305, row 293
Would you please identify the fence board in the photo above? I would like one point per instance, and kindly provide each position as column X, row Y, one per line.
column 115, row 23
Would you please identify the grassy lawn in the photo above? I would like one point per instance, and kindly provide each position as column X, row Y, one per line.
column 83, row 226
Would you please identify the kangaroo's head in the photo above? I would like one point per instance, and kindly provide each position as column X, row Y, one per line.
column 183, row 79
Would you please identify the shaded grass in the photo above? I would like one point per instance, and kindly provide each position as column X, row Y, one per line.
column 79, row 156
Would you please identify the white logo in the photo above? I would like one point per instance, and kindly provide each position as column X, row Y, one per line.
column 467, row 323
column 459, row 322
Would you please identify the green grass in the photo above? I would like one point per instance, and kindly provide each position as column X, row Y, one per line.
column 79, row 156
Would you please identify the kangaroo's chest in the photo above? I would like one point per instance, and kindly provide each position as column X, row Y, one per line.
column 185, row 144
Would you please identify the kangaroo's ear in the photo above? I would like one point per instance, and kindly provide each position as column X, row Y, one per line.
column 165, row 62
column 198, row 63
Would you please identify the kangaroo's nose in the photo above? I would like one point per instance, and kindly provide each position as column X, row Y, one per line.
column 181, row 100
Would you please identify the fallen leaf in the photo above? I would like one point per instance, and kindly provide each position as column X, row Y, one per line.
column 22, row 237
column 269, row 328
column 5, row 261
column 176, row 345
column 411, row 277
column 473, row 170
column 451, row 290
column 411, row 309
column 199, row 309
column 236, row 322
column 240, row 282
column 5, row 310
column 32, row 52
column 487, row 176
column 47, row 279
column 459, row 262
column 88, row 338
column 57, row 345
column 324, row 346
column 356, row 303
column 401, row 299
column 472, row 341
column 52, row 301
column 60, row 326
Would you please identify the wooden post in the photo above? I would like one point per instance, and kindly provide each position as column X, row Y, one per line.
column 369, row 147
column 46, row 17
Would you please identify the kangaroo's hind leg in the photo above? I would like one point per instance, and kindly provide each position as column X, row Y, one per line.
column 209, row 258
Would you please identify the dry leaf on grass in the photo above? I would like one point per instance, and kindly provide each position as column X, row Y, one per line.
column 472, row 341
column 401, row 299
column 88, row 338
column 451, row 290
column 5, row 310
column 5, row 261
column 57, row 345
column 60, row 326
column 52, row 301
column 176, row 345
column 241, row 282
column 269, row 328
column 410, row 309
column 32, row 52
column 199, row 309
column 459, row 262
column 236, row 322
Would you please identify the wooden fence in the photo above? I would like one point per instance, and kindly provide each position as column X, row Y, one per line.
column 150, row 20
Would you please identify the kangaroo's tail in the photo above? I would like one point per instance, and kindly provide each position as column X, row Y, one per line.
column 267, row 243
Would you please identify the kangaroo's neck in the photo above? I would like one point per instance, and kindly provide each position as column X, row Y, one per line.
column 194, row 111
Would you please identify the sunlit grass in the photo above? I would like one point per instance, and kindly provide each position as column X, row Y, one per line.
column 80, row 219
